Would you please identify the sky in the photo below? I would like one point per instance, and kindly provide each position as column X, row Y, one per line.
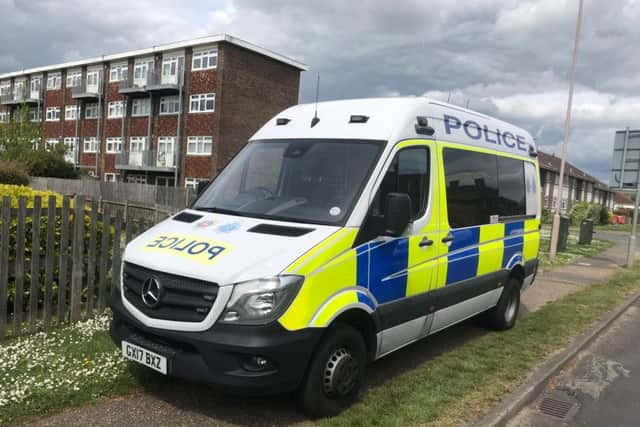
column 508, row 58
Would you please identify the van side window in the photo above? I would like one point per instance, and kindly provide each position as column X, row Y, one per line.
column 481, row 185
column 408, row 173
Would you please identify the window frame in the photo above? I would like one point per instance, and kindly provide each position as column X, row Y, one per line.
column 74, row 78
column 97, row 110
column 110, row 174
column 163, row 100
column 117, row 70
column 114, row 104
column 202, row 54
column 54, row 81
column 137, row 101
column 93, row 141
column 199, row 99
column 71, row 108
column 54, row 118
column 111, row 142
column 198, row 140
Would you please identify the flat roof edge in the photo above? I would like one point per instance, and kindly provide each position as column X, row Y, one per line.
column 162, row 48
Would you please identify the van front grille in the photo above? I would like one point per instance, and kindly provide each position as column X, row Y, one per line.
column 179, row 298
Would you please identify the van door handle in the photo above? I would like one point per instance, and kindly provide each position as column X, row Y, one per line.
column 425, row 242
column 448, row 238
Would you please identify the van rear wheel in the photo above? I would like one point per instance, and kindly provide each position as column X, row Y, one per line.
column 335, row 374
column 504, row 315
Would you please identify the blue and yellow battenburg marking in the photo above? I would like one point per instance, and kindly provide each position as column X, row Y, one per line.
column 190, row 247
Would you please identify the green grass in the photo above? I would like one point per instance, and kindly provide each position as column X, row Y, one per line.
column 462, row 384
column 46, row 372
column 572, row 252
column 614, row 227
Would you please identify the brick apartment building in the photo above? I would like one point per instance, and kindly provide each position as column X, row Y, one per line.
column 170, row 114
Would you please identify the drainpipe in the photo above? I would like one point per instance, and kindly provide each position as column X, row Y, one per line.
column 176, row 148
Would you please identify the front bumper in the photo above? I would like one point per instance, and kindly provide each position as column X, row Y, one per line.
column 222, row 355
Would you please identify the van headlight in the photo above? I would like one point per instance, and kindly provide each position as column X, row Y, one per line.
column 260, row 301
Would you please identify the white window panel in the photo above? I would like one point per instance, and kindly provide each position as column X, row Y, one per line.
column 74, row 78
column 4, row 116
column 51, row 143
column 5, row 88
column 141, row 107
column 118, row 72
column 90, row 145
column 110, row 177
column 35, row 114
column 169, row 105
column 71, row 152
column 116, row 110
column 202, row 103
column 204, row 59
column 54, row 81
column 199, row 145
column 53, row 114
column 114, row 145
column 92, row 111
column 71, row 112
column 191, row 182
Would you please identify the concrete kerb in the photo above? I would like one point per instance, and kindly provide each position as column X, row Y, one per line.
column 527, row 393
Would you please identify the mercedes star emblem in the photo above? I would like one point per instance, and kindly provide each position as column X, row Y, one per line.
column 151, row 292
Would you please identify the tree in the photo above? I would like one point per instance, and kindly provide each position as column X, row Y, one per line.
column 21, row 141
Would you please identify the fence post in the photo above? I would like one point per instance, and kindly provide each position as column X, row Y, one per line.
column 77, row 256
column 126, row 210
column 50, row 260
column 155, row 213
column 64, row 255
column 115, row 276
column 5, row 216
column 35, row 262
column 104, row 258
column 91, row 261
column 20, row 243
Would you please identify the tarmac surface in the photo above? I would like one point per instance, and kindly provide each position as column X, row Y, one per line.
column 181, row 403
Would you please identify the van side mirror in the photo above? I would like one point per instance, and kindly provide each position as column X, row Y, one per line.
column 202, row 185
column 397, row 214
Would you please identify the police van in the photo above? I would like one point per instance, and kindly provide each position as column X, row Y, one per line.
column 340, row 233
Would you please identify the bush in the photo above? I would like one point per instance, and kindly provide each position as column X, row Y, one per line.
column 604, row 215
column 547, row 216
column 17, row 191
column 13, row 173
column 51, row 164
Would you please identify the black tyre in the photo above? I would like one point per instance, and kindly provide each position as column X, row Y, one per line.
column 504, row 315
column 335, row 373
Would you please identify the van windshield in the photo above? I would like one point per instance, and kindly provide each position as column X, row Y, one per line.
column 302, row 180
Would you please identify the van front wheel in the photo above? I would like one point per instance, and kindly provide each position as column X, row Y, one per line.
column 336, row 372
column 504, row 315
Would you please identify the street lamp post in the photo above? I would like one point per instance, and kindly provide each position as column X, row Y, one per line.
column 565, row 141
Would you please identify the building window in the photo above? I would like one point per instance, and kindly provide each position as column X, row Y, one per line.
column 199, row 145
column 5, row 88
column 74, row 78
column 90, row 145
column 140, row 107
column 116, row 110
column 71, row 112
column 169, row 105
column 192, row 182
column 202, row 103
column 118, row 72
column 141, row 70
column 114, row 145
column 204, row 59
column 70, row 149
column 4, row 117
column 35, row 114
column 36, row 85
column 53, row 114
column 51, row 143
column 137, row 179
column 92, row 111
column 110, row 177
column 54, row 81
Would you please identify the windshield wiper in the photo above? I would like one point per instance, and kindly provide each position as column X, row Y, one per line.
column 221, row 211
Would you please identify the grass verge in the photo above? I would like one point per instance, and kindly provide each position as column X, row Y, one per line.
column 464, row 383
column 573, row 251
column 46, row 372
column 614, row 227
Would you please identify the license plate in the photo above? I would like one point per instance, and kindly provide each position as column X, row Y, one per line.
column 145, row 357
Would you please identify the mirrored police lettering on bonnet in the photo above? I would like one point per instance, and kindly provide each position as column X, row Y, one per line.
column 331, row 240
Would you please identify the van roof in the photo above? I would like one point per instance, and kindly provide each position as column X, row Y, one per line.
column 395, row 119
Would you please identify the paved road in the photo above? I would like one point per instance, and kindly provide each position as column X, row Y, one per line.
column 180, row 403
column 601, row 385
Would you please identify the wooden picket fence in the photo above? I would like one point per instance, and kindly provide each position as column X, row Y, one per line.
column 58, row 262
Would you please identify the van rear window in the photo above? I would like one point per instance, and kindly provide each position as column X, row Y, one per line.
column 482, row 186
